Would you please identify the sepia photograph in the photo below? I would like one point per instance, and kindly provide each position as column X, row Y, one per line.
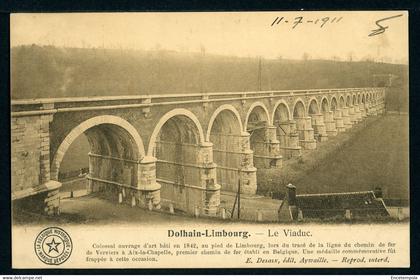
column 233, row 139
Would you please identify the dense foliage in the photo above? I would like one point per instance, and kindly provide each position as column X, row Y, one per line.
column 62, row 72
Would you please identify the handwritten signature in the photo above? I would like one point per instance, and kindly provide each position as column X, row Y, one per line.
column 381, row 29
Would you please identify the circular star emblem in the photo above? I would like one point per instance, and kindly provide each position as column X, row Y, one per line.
column 53, row 246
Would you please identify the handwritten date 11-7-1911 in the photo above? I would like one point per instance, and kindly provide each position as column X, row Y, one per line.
column 301, row 20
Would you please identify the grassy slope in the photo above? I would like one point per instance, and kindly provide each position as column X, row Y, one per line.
column 365, row 158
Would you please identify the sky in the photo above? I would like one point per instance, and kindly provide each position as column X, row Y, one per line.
column 242, row 34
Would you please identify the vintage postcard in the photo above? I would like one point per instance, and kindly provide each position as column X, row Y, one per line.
column 210, row 140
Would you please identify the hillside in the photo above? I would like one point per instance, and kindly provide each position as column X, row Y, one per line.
column 373, row 154
column 64, row 72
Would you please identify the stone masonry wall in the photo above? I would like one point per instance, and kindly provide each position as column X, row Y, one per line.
column 29, row 151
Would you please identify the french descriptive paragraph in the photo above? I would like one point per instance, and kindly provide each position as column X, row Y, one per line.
column 292, row 252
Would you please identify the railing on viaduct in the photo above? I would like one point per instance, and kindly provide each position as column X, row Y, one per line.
column 183, row 148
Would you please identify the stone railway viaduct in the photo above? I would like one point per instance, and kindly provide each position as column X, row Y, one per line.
column 181, row 149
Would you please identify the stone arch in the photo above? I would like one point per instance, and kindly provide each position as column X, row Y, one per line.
column 281, row 120
column 333, row 104
column 286, row 110
column 341, row 102
column 325, row 107
column 353, row 102
column 165, row 118
column 313, row 106
column 348, row 101
column 257, row 122
column 299, row 109
column 229, row 140
column 176, row 145
column 261, row 111
column 225, row 107
column 91, row 123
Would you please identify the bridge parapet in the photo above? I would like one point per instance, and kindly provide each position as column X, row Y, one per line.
column 22, row 107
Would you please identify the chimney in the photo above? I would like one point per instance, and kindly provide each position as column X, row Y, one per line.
column 378, row 192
